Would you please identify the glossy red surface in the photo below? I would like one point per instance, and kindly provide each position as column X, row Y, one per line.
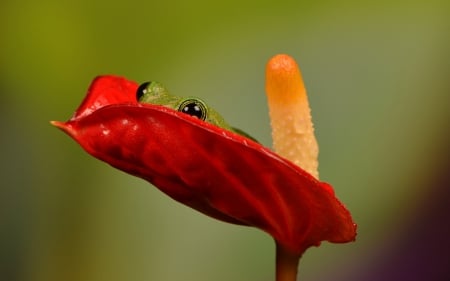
column 217, row 172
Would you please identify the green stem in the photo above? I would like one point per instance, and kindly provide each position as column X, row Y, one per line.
column 286, row 264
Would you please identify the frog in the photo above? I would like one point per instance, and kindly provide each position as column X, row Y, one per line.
column 153, row 92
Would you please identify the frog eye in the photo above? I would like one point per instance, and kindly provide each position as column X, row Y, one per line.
column 142, row 90
column 193, row 107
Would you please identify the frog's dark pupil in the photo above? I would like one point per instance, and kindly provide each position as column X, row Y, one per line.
column 142, row 89
column 193, row 108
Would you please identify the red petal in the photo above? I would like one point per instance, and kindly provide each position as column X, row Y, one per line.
column 106, row 90
column 214, row 171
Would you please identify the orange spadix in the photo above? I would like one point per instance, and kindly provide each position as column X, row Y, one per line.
column 290, row 115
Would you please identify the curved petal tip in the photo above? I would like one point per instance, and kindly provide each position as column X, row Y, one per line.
column 65, row 127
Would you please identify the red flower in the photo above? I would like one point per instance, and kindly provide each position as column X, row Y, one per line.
column 217, row 172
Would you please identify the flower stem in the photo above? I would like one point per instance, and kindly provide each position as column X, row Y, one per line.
column 286, row 264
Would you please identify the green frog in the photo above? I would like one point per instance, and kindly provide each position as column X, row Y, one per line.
column 155, row 93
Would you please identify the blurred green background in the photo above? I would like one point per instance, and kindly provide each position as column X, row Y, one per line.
column 377, row 75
